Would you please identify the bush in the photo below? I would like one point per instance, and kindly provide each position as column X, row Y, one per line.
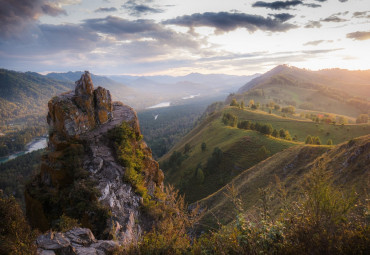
column 230, row 119
column 16, row 236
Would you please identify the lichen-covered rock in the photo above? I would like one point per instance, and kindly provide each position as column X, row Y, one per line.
column 82, row 176
column 72, row 114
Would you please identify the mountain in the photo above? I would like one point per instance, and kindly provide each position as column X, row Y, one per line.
column 97, row 172
column 348, row 163
column 333, row 90
column 355, row 83
column 24, row 94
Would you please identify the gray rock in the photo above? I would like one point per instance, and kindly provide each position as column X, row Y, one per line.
column 45, row 252
column 82, row 236
column 86, row 251
column 106, row 245
column 51, row 241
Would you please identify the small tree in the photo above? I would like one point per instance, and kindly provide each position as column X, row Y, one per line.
column 317, row 140
column 329, row 142
column 203, row 146
column 187, row 148
column 263, row 153
column 267, row 129
column 251, row 103
column 287, row 135
column 282, row 133
column 234, row 103
column 242, row 105
column 275, row 133
column 309, row 140
column 200, row 176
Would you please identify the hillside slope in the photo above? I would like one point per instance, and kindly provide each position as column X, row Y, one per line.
column 23, row 94
column 348, row 162
column 213, row 153
column 333, row 91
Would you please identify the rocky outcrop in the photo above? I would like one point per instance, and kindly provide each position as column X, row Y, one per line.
column 82, row 176
column 77, row 241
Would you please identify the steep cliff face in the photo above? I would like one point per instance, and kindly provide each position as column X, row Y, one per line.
column 97, row 170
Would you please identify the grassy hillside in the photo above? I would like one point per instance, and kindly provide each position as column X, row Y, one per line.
column 239, row 149
column 348, row 162
column 301, row 128
column 198, row 172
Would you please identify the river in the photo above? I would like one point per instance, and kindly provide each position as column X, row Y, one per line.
column 36, row 144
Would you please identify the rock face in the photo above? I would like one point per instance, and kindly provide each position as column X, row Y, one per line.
column 74, row 242
column 72, row 114
column 81, row 176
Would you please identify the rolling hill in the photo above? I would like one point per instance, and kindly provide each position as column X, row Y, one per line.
column 230, row 150
column 348, row 163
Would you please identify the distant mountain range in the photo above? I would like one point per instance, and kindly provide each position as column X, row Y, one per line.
column 23, row 94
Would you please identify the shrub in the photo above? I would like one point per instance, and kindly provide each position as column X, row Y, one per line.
column 230, row 119
column 16, row 236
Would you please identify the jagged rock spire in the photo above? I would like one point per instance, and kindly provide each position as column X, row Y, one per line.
column 84, row 86
column 75, row 113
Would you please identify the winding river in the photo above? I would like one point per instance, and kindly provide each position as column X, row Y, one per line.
column 36, row 144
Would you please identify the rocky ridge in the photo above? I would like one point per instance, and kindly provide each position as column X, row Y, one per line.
column 81, row 176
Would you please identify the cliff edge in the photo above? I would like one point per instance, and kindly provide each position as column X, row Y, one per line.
column 97, row 172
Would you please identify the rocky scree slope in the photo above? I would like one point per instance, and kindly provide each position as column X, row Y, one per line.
column 86, row 174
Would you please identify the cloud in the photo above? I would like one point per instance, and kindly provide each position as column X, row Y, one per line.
column 140, row 8
column 282, row 16
column 141, row 29
column 312, row 5
column 359, row 35
column 314, row 42
column 17, row 16
column 313, row 24
column 225, row 22
column 278, row 5
column 361, row 15
column 102, row 9
column 333, row 18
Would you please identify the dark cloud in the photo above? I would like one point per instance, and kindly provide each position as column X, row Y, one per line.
column 333, row 18
column 278, row 5
column 359, row 35
column 118, row 26
column 342, row 1
column 138, row 8
column 313, row 24
column 17, row 16
column 282, row 16
column 314, row 43
column 225, row 22
column 312, row 5
column 102, row 9
column 141, row 28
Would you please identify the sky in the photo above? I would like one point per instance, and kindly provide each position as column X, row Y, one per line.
column 178, row 37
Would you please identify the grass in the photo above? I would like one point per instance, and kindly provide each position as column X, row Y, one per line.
column 348, row 162
column 240, row 151
column 241, row 148
column 302, row 128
